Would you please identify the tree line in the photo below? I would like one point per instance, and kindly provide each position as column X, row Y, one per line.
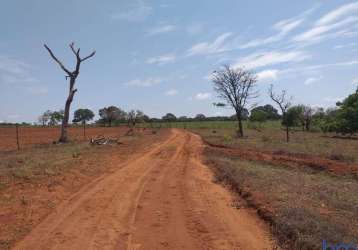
column 236, row 87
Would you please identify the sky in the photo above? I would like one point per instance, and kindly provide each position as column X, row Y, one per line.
column 157, row 56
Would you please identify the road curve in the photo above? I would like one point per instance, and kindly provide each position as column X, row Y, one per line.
column 163, row 198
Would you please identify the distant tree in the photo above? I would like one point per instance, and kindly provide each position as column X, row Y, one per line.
column 293, row 117
column 56, row 117
column 135, row 116
column 235, row 87
column 200, row 117
column 169, row 117
column 271, row 112
column 111, row 114
column 258, row 115
column 146, row 118
column 304, row 114
column 284, row 103
column 183, row 118
column 72, row 75
column 347, row 115
column 83, row 115
column 45, row 117
column 328, row 120
column 219, row 104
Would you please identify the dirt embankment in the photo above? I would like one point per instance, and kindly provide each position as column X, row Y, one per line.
column 162, row 198
column 288, row 159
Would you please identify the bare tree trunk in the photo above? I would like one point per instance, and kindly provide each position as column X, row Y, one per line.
column 240, row 132
column 287, row 134
column 73, row 76
column 64, row 135
column 84, row 130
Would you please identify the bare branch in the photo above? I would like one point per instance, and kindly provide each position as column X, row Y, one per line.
column 281, row 100
column 89, row 56
column 58, row 61
column 236, row 87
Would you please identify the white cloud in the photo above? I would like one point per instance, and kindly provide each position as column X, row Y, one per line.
column 138, row 12
column 332, row 16
column 148, row 82
column 206, row 48
column 172, row 92
column 13, row 71
column 203, row 96
column 266, row 75
column 355, row 81
column 342, row 46
column 327, row 65
column 13, row 66
column 262, row 59
column 343, row 17
column 283, row 28
column 311, row 80
column 161, row 29
column 161, row 60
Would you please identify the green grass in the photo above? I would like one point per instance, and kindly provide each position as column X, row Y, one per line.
column 306, row 206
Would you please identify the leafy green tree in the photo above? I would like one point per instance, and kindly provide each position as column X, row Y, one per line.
column 347, row 115
column 259, row 116
column 304, row 116
column 83, row 115
column 271, row 112
column 183, row 118
column 45, row 117
column 200, row 117
column 292, row 116
column 111, row 114
column 56, row 117
column 169, row 117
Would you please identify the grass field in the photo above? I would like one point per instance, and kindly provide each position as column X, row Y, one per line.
column 304, row 205
column 34, row 180
column 272, row 139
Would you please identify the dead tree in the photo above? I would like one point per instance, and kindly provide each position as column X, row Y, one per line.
column 284, row 103
column 235, row 87
column 72, row 76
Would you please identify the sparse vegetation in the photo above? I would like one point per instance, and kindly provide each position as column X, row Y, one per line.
column 302, row 205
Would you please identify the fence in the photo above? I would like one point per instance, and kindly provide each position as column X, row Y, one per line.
column 20, row 137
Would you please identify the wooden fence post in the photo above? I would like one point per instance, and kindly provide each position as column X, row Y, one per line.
column 17, row 136
column 84, row 130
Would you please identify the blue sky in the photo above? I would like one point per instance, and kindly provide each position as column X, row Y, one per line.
column 157, row 55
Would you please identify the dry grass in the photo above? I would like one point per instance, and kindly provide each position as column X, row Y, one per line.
column 273, row 139
column 34, row 181
column 303, row 206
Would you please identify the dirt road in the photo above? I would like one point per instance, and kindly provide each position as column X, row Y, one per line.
column 163, row 198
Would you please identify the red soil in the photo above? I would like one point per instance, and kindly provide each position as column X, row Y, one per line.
column 31, row 136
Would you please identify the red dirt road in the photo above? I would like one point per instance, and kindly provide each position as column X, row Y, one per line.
column 163, row 198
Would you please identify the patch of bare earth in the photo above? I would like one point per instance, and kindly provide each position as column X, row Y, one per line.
column 160, row 197
column 34, row 181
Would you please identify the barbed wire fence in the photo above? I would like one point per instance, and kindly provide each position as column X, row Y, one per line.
column 18, row 137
